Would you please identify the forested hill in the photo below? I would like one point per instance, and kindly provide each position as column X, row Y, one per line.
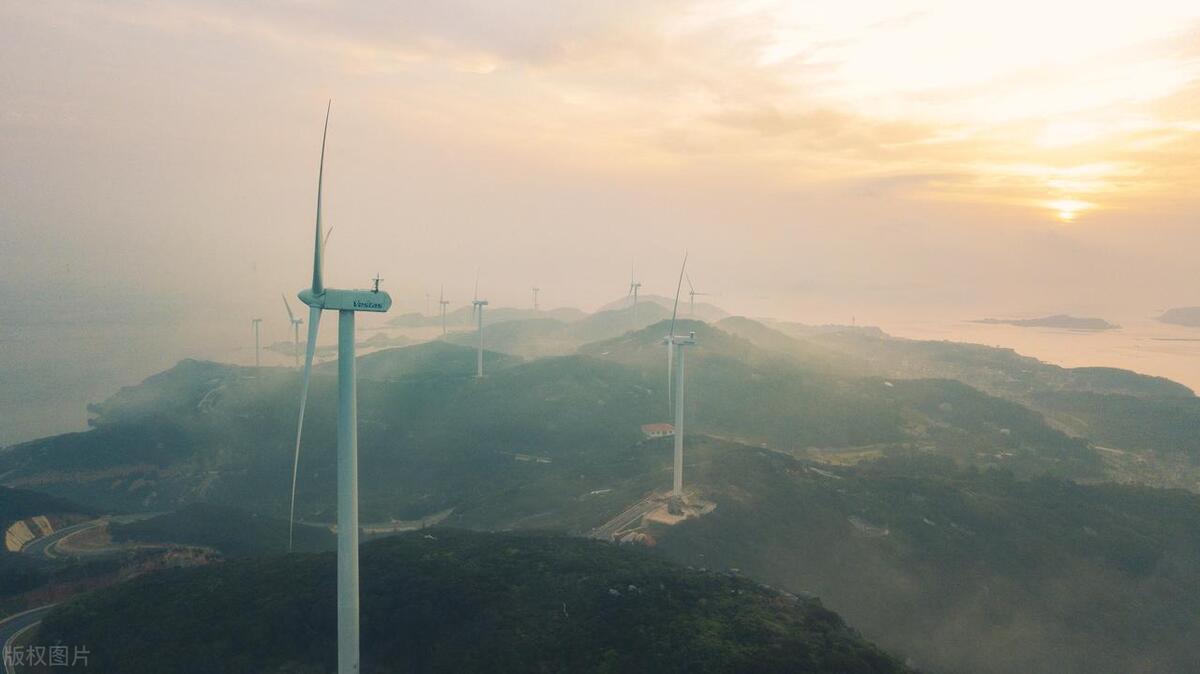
column 457, row 601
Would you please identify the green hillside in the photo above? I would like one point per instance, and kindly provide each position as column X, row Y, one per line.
column 1152, row 416
column 529, row 338
column 457, row 601
column 542, row 337
column 737, row 389
column 1162, row 425
column 549, row 430
column 945, row 543
column 233, row 532
column 429, row 360
column 959, row 570
column 19, row 504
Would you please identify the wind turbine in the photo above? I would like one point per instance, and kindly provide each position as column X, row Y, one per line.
column 634, row 285
column 256, row 322
column 477, row 306
column 692, row 295
column 296, row 323
column 675, row 344
column 536, row 290
column 347, row 303
column 443, row 302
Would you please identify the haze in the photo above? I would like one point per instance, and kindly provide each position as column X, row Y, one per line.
column 878, row 160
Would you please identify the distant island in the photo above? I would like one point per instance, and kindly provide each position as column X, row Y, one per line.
column 1189, row 316
column 1062, row 321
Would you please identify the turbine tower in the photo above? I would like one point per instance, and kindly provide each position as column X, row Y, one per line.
column 296, row 323
column 477, row 306
column 634, row 285
column 256, row 322
column 443, row 302
column 536, row 290
column 692, row 295
column 675, row 344
column 346, row 303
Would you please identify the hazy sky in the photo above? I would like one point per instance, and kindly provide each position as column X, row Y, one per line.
column 818, row 159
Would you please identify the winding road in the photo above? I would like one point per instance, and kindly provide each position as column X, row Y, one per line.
column 45, row 546
column 12, row 627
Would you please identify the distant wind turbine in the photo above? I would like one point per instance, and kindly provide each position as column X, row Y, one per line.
column 675, row 344
column 634, row 286
column 296, row 323
column 477, row 306
column 256, row 322
column 536, row 290
column 347, row 303
column 692, row 296
column 443, row 302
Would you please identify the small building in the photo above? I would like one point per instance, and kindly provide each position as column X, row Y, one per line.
column 657, row 430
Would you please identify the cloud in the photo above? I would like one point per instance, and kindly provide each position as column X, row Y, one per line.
column 755, row 128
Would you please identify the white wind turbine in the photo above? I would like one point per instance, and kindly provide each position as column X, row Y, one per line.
column 692, row 295
column 675, row 344
column 296, row 323
column 634, row 286
column 347, row 303
column 536, row 290
column 477, row 306
column 443, row 303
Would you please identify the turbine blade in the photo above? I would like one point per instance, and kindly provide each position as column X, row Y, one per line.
column 314, row 321
column 318, row 283
column 291, row 316
column 691, row 288
column 678, row 286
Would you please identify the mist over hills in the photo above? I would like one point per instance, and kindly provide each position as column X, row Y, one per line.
column 463, row 316
column 435, row 359
column 929, row 491
column 542, row 338
column 703, row 311
column 1151, row 420
column 202, row 429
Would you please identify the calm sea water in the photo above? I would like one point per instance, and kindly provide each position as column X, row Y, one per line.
column 51, row 369
column 1141, row 344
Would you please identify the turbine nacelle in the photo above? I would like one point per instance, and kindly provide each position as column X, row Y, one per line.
column 347, row 300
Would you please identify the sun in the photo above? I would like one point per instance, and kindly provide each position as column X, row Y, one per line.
column 1068, row 209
